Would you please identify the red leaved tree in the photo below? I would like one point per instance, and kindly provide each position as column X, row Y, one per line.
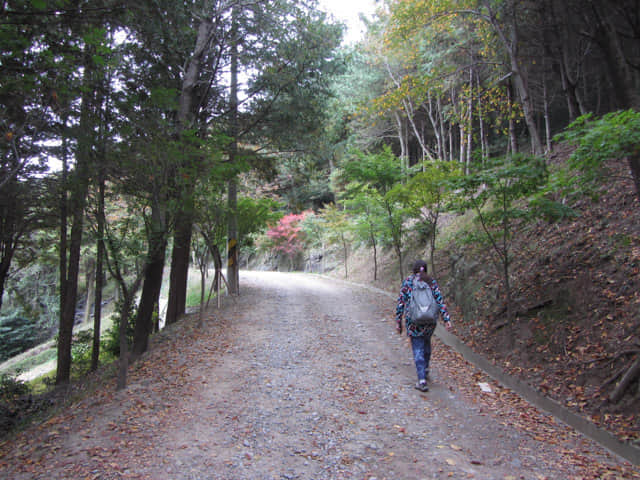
column 287, row 237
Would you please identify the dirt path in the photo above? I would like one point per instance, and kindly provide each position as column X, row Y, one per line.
column 301, row 379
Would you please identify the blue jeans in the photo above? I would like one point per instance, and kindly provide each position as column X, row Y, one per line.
column 421, row 347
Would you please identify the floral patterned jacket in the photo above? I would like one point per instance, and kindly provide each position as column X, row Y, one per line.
column 403, row 303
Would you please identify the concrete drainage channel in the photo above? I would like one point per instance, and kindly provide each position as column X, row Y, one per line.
column 604, row 438
column 610, row 442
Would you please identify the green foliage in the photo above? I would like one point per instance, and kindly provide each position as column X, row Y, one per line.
column 371, row 178
column 381, row 171
column 495, row 190
column 81, row 349
column 32, row 361
column 291, row 63
column 10, row 388
column 471, row 237
column 365, row 207
column 498, row 194
column 110, row 340
column 254, row 215
column 374, row 176
column 33, row 288
column 18, row 334
column 614, row 136
column 337, row 230
column 193, row 296
column 426, row 193
column 125, row 238
column 336, row 221
column 303, row 180
column 314, row 228
column 551, row 210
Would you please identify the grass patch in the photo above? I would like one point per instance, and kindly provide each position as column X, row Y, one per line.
column 450, row 226
column 43, row 383
column 193, row 297
column 39, row 359
column 33, row 361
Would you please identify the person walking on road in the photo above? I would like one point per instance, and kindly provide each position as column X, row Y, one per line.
column 418, row 330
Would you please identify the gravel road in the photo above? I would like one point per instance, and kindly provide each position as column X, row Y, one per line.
column 303, row 377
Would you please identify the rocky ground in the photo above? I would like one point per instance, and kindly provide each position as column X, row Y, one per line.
column 301, row 378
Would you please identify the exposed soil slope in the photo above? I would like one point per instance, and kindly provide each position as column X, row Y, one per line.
column 577, row 291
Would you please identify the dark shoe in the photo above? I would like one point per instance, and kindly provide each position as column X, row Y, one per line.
column 422, row 386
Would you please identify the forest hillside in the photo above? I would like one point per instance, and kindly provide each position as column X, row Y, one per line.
column 576, row 284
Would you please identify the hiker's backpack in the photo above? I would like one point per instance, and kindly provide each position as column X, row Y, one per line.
column 423, row 308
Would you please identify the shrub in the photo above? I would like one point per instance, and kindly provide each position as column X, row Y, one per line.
column 615, row 136
column 81, row 351
column 18, row 334
column 110, row 342
column 15, row 401
column 11, row 388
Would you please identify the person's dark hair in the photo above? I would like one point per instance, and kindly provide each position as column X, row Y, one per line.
column 420, row 269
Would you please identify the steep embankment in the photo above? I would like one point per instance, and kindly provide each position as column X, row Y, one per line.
column 576, row 286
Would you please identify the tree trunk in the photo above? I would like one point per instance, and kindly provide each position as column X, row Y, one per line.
column 398, row 249
column 345, row 250
column 217, row 265
column 409, row 110
column 513, row 138
column 396, row 234
column 90, row 281
column 620, row 73
column 570, row 89
column 375, row 257
column 80, row 187
column 64, row 234
column 547, row 118
column 233, row 266
column 559, row 42
column 469, row 132
column 179, row 275
column 157, row 241
column 520, row 82
column 127, row 302
column 401, row 139
column 203, row 279
column 483, row 138
column 68, row 308
column 463, row 144
column 150, row 293
column 443, row 133
column 518, row 74
column 506, row 261
column 8, row 250
column 3, row 275
column 634, row 166
column 182, row 237
column 97, row 314
column 432, row 238
column 433, row 118
column 627, row 379
column 13, row 213
column 450, row 132
column 123, row 363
